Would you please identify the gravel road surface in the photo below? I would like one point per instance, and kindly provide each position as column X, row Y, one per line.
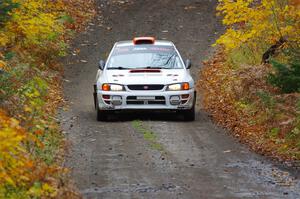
column 157, row 155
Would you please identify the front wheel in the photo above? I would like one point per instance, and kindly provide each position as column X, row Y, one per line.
column 101, row 115
column 189, row 115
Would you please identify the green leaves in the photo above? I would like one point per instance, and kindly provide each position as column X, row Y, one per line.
column 9, row 55
column 286, row 76
column 267, row 99
column 6, row 6
column 66, row 19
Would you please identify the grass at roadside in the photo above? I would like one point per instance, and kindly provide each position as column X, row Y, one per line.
column 148, row 135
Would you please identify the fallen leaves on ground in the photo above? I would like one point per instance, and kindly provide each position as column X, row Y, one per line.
column 241, row 100
column 33, row 35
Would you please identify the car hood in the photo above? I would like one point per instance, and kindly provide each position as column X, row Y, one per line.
column 126, row 77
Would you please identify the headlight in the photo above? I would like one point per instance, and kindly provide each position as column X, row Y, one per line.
column 174, row 87
column 112, row 87
column 115, row 87
column 179, row 86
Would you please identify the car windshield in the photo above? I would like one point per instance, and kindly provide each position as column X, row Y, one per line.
column 143, row 57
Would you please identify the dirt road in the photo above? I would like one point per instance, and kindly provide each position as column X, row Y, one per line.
column 155, row 155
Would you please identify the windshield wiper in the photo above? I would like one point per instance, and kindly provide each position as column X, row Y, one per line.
column 118, row 68
column 153, row 67
column 167, row 62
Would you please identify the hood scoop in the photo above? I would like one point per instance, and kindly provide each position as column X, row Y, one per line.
column 145, row 71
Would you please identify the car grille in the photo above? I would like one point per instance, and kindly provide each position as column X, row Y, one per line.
column 146, row 87
column 159, row 100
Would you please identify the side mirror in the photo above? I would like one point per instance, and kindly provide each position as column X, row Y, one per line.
column 188, row 64
column 101, row 64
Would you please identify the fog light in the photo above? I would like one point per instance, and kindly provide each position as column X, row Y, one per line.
column 175, row 100
column 116, row 100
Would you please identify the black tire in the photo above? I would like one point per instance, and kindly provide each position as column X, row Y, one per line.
column 101, row 115
column 189, row 115
column 95, row 96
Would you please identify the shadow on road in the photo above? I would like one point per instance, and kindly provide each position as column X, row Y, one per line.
column 144, row 116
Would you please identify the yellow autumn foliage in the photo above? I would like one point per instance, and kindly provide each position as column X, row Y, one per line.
column 17, row 168
column 237, row 85
column 252, row 22
column 33, row 22
column 11, row 138
column 4, row 39
column 33, row 33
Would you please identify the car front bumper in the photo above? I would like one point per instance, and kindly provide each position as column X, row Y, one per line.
column 146, row 100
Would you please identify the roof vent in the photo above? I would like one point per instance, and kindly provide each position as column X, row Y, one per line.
column 143, row 40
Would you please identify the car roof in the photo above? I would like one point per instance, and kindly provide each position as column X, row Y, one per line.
column 157, row 42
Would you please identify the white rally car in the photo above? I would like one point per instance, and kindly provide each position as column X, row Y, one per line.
column 144, row 74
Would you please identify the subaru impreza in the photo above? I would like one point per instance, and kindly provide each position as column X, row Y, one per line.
column 144, row 74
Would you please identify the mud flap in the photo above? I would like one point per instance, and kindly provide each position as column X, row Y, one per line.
column 95, row 96
column 195, row 98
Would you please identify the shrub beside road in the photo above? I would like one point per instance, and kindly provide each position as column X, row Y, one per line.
column 252, row 83
column 33, row 35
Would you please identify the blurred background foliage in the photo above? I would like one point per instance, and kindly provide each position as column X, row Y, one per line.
column 33, row 35
column 251, row 85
